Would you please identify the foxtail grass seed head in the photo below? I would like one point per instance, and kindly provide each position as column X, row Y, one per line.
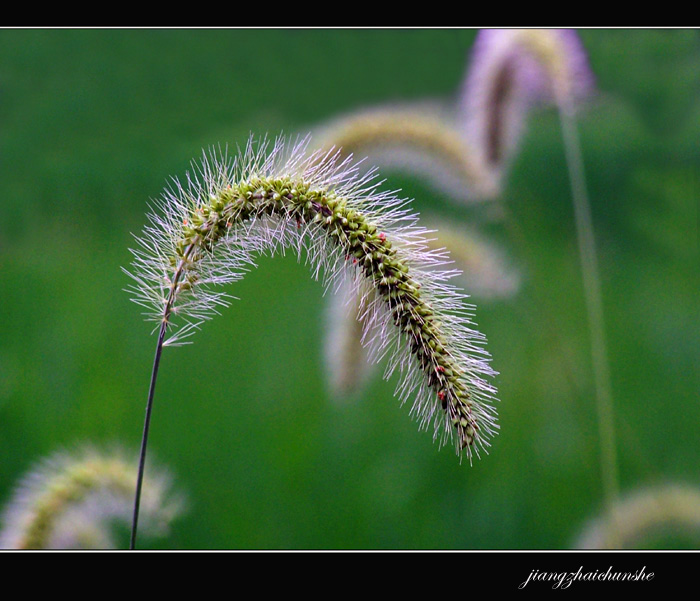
column 69, row 501
column 643, row 513
column 270, row 197
column 509, row 71
column 561, row 70
column 423, row 140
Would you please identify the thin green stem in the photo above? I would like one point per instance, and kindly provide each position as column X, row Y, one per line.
column 151, row 392
column 594, row 303
column 144, row 438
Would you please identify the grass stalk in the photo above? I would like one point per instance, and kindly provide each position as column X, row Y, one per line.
column 594, row 303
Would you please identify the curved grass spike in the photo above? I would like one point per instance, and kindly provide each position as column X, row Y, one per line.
column 208, row 231
column 561, row 72
column 69, row 499
column 510, row 71
column 420, row 138
column 642, row 513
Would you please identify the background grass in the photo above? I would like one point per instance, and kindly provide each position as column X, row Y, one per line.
column 92, row 123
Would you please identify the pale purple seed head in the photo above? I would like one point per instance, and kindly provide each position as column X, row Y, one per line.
column 511, row 70
column 534, row 58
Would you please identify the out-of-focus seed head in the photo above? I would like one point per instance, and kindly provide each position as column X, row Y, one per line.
column 70, row 499
column 509, row 71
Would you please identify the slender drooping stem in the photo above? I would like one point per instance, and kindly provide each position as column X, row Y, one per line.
column 144, row 437
column 594, row 303
column 151, row 392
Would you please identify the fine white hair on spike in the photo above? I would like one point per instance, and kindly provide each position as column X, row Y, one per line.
column 276, row 197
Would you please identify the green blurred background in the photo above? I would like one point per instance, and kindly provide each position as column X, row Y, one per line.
column 93, row 122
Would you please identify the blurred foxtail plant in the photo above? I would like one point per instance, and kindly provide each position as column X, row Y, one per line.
column 464, row 145
column 206, row 232
column 469, row 144
column 424, row 139
column 643, row 514
column 510, row 72
column 566, row 71
column 70, row 499
column 551, row 64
